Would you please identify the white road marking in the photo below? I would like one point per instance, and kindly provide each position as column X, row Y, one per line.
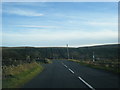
column 65, row 66
column 62, row 63
column 80, row 78
column 86, row 83
column 71, row 71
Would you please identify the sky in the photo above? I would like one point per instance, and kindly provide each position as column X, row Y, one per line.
column 55, row 24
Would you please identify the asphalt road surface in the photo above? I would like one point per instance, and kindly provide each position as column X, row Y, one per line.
column 68, row 74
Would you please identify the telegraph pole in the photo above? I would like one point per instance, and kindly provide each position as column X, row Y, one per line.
column 67, row 51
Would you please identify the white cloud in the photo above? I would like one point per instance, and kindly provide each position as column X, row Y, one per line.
column 64, row 35
column 87, row 45
column 60, row 38
column 103, row 23
column 35, row 26
column 22, row 12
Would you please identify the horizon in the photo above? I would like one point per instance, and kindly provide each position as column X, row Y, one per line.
column 62, row 46
column 55, row 24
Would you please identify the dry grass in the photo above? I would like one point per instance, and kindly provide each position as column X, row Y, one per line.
column 14, row 70
column 16, row 76
column 113, row 66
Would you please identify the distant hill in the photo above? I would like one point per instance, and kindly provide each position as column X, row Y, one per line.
column 25, row 54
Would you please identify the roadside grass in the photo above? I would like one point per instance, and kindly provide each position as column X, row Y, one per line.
column 44, row 61
column 104, row 65
column 48, row 61
column 16, row 76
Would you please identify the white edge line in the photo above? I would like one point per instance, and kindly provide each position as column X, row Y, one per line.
column 86, row 83
column 71, row 70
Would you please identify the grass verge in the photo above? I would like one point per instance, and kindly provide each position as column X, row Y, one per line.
column 48, row 61
column 103, row 65
column 15, row 77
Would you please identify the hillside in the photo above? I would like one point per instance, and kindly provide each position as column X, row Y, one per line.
column 17, row 55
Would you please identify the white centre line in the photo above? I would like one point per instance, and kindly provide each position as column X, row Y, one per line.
column 65, row 66
column 62, row 63
column 71, row 71
column 86, row 83
column 80, row 78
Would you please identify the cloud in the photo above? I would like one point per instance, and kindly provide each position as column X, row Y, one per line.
column 22, row 12
column 102, row 23
column 35, row 26
column 97, row 44
column 60, row 38
column 64, row 35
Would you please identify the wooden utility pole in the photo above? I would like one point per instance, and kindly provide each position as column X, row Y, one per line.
column 67, row 51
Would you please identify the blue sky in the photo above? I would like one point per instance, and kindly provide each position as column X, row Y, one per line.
column 55, row 24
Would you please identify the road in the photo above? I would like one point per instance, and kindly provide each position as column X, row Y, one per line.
column 68, row 74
